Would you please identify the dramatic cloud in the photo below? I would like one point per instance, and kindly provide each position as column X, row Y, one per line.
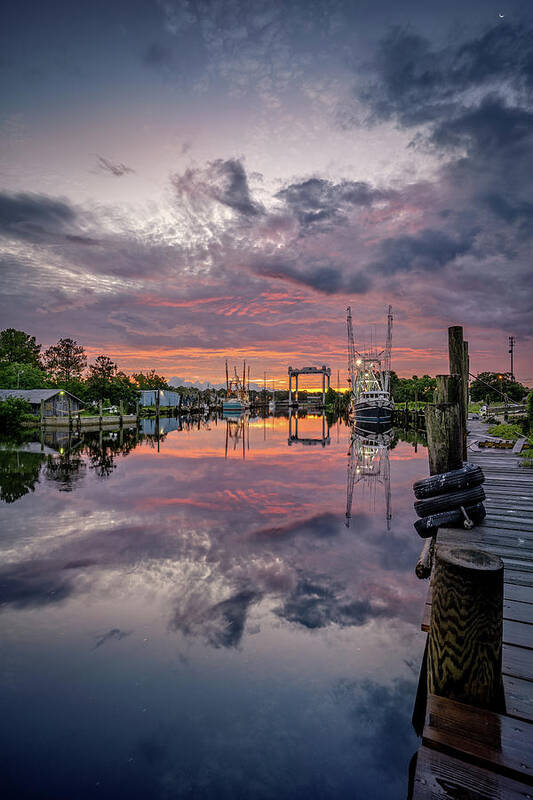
column 416, row 83
column 222, row 181
column 30, row 216
column 317, row 200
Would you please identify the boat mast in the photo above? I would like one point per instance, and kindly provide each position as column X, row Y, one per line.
column 351, row 349
column 388, row 349
column 227, row 379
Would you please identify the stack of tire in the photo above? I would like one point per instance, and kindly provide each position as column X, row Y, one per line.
column 450, row 499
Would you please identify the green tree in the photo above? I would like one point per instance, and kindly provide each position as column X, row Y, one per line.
column 13, row 411
column 495, row 387
column 14, row 375
column 19, row 347
column 65, row 360
column 121, row 388
column 331, row 397
column 101, row 374
column 150, row 380
column 19, row 472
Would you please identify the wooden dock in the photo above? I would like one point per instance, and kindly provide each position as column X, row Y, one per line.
column 467, row 752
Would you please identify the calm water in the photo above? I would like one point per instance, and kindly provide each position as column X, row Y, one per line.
column 188, row 616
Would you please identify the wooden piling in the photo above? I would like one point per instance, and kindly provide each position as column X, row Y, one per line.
column 467, row 379
column 443, row 425
column 465, row 637
column 425, row 561
column 456, row 352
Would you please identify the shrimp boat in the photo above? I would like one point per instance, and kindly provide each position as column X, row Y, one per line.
column 236, row 400
column 369, row 376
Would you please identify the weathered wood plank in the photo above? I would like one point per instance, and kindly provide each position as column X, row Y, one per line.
column 440, row 776
column 512, row 591
column 517, row 633
column 518, row 698
column 518, row 662
column 520, row 612
column 490, row 740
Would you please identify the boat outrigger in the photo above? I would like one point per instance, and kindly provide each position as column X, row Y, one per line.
column 369, row 377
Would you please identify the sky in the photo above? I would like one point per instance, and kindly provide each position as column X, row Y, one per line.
column 186, row 181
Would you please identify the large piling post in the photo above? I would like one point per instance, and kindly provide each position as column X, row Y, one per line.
column 467, row 380
column 456, row 352
column 443, row 425
column 465, row 637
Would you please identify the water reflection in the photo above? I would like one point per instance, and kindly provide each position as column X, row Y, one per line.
column 206, row 619
column 369, row 467
column 295, row 438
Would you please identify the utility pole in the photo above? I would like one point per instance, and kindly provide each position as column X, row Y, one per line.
column 511, row 353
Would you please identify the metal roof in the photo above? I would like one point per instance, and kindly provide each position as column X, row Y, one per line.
column 34, row 396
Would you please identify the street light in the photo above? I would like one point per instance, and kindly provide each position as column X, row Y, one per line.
column 19, row 373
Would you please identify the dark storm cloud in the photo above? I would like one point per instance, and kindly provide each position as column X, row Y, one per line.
column 113, row 168
column 35, row 583
column 416, row 83
column 430, row 250
column 29, row 216
column 323, row 277
column 316, row 603
column 221, row 625
column 222, row 181
column 317, row 200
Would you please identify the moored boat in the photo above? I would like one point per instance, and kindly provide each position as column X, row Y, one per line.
column 369, row 376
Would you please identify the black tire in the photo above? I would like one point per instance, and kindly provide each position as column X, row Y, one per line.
column 428, row 526
column 447, row 502
column 466, row 477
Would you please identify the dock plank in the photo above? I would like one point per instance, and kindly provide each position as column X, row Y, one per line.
column 439, row 776
column 493, row 741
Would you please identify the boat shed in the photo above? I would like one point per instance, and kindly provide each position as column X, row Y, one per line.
column 166, row 397
column 57, row 402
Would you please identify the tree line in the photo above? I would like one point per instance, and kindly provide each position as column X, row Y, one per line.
column 64, row 365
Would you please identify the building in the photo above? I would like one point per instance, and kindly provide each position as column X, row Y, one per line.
column 166, row 397
column 57, row 402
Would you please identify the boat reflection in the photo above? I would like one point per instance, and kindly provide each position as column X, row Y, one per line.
column 237, row 433
column 369, row 467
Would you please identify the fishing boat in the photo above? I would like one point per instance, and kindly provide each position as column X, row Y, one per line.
column 369, row 377
column 236, row 400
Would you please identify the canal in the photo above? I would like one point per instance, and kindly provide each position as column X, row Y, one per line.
column 195, row 612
